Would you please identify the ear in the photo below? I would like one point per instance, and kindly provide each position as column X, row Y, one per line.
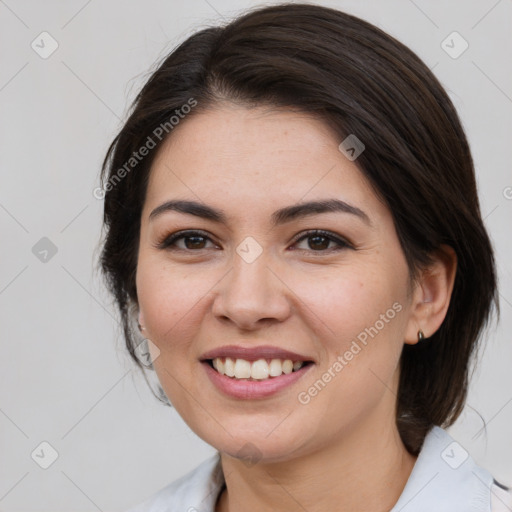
column 431, row 294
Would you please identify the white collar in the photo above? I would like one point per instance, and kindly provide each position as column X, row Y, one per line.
column 445, row 478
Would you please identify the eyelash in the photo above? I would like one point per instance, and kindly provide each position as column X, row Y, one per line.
column 167, row 242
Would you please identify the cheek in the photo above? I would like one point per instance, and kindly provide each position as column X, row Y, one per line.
column 349, row 302
column 172, row 301
column 358, row 322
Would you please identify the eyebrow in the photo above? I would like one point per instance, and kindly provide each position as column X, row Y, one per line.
column 281, row 216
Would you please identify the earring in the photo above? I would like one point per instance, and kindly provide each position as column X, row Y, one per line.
column 421, row 336
column 141, row 328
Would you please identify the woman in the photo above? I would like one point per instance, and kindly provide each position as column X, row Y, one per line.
column 292, row 220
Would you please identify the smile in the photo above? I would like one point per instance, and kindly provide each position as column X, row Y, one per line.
column 254, row 372
column 261, row 369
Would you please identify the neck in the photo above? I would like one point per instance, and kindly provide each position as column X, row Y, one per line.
column 366, row 470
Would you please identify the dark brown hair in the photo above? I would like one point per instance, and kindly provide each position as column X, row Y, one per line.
column 360, row 81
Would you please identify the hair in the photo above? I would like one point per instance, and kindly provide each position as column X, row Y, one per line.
column 358, row 80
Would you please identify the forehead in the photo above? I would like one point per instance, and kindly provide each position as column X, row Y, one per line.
column 248, row 157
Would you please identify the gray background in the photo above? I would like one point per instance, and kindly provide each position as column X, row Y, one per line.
column 65, row 378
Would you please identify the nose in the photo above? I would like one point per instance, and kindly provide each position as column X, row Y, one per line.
column 251, row 295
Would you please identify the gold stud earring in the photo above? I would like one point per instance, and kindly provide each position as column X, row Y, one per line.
column 421, row 336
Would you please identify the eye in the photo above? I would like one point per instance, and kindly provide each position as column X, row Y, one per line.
column 186, row 241
column 316, row 240
column 322, row 241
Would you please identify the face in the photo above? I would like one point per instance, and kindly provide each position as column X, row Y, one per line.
column 287, row 255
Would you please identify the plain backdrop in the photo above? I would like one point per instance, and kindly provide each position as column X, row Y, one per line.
column 65, row 377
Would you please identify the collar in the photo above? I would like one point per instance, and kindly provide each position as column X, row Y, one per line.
column 445, row 478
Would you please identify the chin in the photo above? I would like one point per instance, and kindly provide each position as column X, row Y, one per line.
column 263, row 444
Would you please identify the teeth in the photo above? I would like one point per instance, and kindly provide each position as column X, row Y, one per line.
column 276, row 368
column 242, row 369
column 220, row 365
column 287, row 366
column 257, row 370
column 229, row 367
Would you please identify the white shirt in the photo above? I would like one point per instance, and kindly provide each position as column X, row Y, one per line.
column 444, row 479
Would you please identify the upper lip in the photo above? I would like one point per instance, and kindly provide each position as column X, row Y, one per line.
column 253, row 353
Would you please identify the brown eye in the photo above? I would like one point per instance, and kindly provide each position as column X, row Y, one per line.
column 318, row 242
column 194, row 242
column 186, row 241
column 321, row 241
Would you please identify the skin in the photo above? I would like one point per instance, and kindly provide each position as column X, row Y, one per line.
column 341, row 451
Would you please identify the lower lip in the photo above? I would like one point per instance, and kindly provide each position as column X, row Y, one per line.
column 253, row 389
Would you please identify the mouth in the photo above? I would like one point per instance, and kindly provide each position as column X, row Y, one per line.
column 256, row 370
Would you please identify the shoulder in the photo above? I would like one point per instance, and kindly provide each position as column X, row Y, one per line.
column 501, row 497
column 196, row 491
